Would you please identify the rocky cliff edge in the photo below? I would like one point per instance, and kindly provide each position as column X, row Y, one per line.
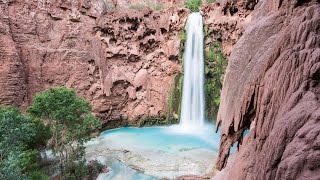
column 272, row 89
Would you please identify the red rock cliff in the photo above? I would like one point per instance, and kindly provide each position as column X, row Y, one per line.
column 123, row 62
column 272, row 87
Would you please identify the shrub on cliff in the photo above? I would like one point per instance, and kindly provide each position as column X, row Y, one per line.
column 137, row 6
column 20, row 136
column 193, row 5
column 148, row 4
column 71, row 123
column 216, row 64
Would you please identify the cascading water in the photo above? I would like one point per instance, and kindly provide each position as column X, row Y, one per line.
column 165, row 152
column 192, row 112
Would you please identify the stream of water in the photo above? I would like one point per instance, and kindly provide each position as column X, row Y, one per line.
column 154, row 152
column 192, row 111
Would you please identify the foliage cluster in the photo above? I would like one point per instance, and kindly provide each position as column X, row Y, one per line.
column 193, row 5
column 215, row 66
column 20, row 138
column 183, row 39
column 183, row 36
column 57, row 120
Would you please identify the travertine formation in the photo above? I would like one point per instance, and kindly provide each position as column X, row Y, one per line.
column 225, row 21
column 123, row 62
column 272, row 88
column 147, row 3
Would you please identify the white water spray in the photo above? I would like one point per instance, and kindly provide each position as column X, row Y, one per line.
column 192, row 112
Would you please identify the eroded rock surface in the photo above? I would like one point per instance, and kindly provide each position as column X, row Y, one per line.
column 123, row 62
column 225, row 21
column 12, row 76
column 272, row 87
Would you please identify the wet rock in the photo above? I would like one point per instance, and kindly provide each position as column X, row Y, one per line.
column 272, row 89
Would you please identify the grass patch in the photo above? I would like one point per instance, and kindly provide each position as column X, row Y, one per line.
column 193, row 5
column 149, row 4
column 137, row 6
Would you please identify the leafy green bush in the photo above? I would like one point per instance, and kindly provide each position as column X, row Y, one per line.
column 71, row 122
column 216, row 64
column 183, row 37
column 68, row 115
column 19, row 136
column 193, row 5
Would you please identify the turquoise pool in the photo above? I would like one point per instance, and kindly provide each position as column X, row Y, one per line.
column 155, row 152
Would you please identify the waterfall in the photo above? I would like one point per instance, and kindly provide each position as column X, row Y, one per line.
column 192, row 112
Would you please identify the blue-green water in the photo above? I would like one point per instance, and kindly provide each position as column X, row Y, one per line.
column 179, row 146
column 120, row 171
column 169, row 139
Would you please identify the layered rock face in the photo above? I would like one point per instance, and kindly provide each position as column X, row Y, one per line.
column 159, row 3
column 12, row 75
column 122, row 62
column 272, row 89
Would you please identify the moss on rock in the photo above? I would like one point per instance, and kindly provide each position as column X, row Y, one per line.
column 157, row 121
column 174, row 100
column 215, row 65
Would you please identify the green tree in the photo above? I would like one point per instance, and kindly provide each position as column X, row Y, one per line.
column 19, row 137
column 193, row 5
column 71, row 122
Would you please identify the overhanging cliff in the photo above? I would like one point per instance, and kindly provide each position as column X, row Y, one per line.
column 272, row 87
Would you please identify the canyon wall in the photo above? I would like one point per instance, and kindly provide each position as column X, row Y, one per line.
column 272, row 89
column 225, row 21
column 124, row 62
